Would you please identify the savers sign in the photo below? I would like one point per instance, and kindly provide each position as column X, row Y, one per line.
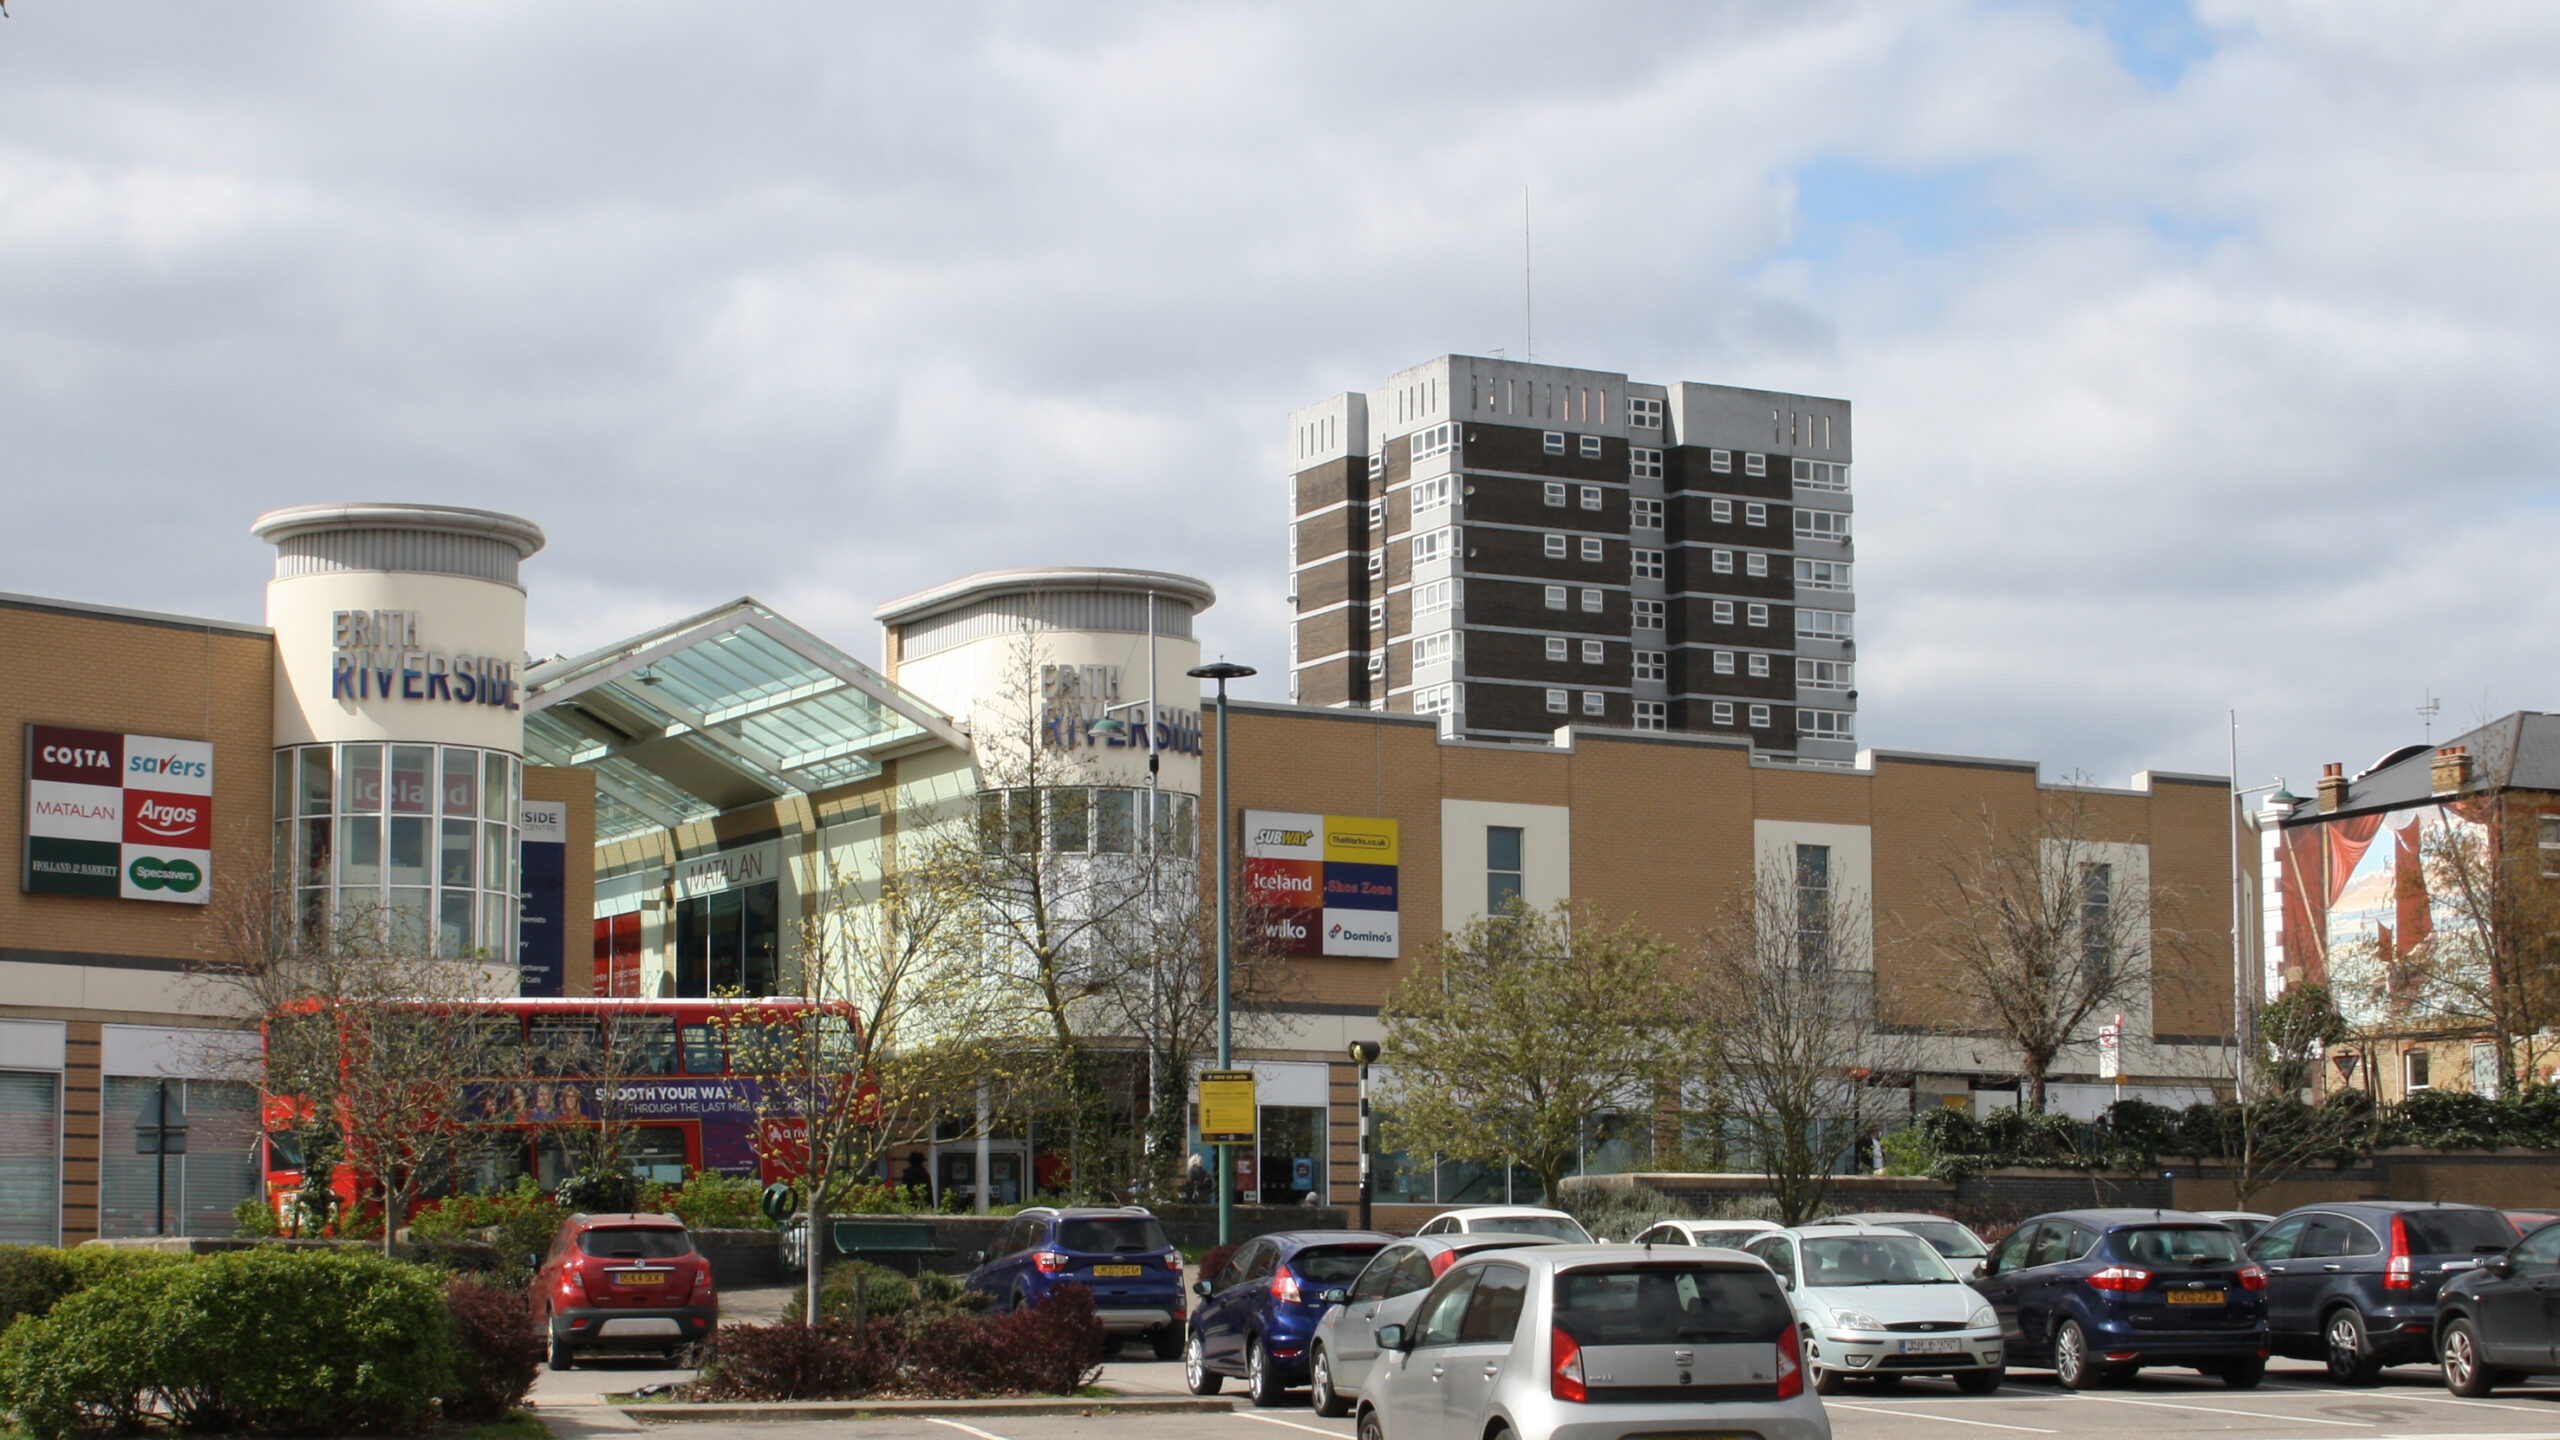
column 118, row 816
column 1321, row 884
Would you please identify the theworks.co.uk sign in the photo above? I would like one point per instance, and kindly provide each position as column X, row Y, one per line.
column 112, row 815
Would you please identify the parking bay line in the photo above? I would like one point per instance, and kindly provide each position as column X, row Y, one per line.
column 2219, row 1410
column 2388, row 1395
column 1933, row 1415
column 956, row 1425
column 1292, row 1424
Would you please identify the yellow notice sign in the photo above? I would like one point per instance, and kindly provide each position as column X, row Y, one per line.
column 1359, row 840
column 1226, row 1107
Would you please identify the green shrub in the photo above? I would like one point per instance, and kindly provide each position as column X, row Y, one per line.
column 1618, row 1212
column 254, row 1219
column 92, row 1359
column 709, row 1200
column 32, row 1279
column 93, row 1265
column 526, row 1220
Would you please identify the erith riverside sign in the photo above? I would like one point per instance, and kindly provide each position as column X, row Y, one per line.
column 376, row 655
column 118, row 816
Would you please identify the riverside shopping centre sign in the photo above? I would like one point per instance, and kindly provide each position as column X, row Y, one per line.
column 118, row 816
column 376, row 655
column 1321, row 884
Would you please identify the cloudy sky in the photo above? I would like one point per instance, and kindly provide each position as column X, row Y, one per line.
column 2204, row 357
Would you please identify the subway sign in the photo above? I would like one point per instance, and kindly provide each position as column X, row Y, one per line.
column 1321, row 884
column 118, row 816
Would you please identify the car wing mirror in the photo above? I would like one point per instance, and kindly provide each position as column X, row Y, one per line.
column 532, row 1260
column 1199, row 1287
column 1391, row 1337
column 1787, row 1281
column 2501, row 1266
column 1334, row 1296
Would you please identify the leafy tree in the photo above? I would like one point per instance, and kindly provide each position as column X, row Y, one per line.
column 1516, row 1028
column 2294, row 1032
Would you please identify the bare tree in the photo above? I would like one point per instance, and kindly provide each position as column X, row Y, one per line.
column 2041, row 934
column 1784, row 998
column 2495, row 951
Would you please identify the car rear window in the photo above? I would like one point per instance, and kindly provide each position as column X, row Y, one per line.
column 2176, row 1245
column 1945, row 1236
column 636, row 1242
column 1670, row 1304
column 1554, row 1227
column 1113, row 1235
column 2457, row 1232
column 1332, row 1264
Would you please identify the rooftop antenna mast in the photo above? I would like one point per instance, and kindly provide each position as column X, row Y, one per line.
column 2427, row 712
column 1528, row 280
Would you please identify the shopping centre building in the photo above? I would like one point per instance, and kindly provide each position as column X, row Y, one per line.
column 657, row 817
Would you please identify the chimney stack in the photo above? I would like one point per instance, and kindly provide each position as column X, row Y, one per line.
column 2451, row 772
column 2333, row 786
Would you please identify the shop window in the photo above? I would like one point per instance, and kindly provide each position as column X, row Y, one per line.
column 31, row 1157
column 202, row 1186
column 617, row 964
column 728, row 941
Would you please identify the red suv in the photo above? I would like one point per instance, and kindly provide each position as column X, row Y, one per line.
column 623, row 1282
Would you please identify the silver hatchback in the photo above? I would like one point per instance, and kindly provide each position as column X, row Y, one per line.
column 1594, row 1342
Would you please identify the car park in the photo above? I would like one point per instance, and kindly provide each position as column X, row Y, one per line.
column 1581, row 1342
column 2354, row 1283
column 1507, row 1220
column 2244, row 1223
column 1878, row 1304
column 1955, row 1242
column 2098, row 1294
column 1345, row 1342
column 622, row 1283
column 1257, row 1315
column 2499, row 1321
column 1119, row 1253
column 1706, row 1234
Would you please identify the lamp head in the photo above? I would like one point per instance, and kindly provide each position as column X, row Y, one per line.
column 1108, row 727
column 1221, row 670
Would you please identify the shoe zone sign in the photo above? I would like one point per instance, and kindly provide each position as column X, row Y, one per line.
column 118, row 816
column 1321, row 884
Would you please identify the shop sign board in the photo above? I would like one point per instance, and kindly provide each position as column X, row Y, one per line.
column 542, row 828
column 728, row 870
column 118, row 816
column 1227, row 1111
column 1322, row 884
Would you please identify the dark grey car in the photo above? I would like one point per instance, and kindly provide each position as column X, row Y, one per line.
column 2354, row 1283
column 2500, row 1322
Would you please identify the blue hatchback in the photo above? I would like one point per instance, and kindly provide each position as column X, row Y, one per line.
column 2098, row 1294
column 1257, row 1314
column 1120, row 1254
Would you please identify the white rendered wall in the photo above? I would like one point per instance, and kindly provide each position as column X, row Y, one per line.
column 456, row 616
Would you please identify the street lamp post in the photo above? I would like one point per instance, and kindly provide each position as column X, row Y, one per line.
column 1223, row 671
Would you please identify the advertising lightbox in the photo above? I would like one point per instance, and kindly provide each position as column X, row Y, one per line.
column 1321, row 884
column 117, row 816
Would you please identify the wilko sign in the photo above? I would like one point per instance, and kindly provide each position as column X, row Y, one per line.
column 1321, row 884
column 118, row 816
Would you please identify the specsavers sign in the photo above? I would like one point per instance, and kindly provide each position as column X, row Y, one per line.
column 1321, row 884
column 118, row 816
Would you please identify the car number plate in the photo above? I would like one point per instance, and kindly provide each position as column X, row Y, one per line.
column 639, row 1277
column 2195, row 1297
column 1932, row 1347
column 1119, row 1270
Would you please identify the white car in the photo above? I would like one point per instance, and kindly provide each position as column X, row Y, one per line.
column 1954, row 1241
column 1876, row 1303
column 1716, row 1234
column 1507, row 1220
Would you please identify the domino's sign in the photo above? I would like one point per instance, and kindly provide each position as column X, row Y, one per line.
column 118, row 816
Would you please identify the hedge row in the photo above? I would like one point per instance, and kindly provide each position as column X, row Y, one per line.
column 268, row 1341
column 935, row 1350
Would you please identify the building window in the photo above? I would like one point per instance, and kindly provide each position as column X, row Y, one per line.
column 1822, row 575
column 1555, row 495
column 1434, row 545
column 1759, row 717
column 1720, row 461
column 1646, row 514
column 1438, row 440
column 1721, row 562
column 1591, row 447
column 1377, row 564
column 1590, row 497
column 1759, row 667
column 1377, row 616
column 1652, row 715
column 1434, row 597
column 1556, row 547
column 1378, row 465
column 2413, row 1067
column 1823, row 524
column 1646, row 564
column 2098, row 945
column 1555, row 597
column 1644, row 464
column 421, row 835
column 1437, row 649
column 1593, row 652
column 1377, row 515
column 1720, row 511
column 1377, row 664
column 1435, row 700
column 1644, row 414
column 1556, row 703
column 1555, row 442
column 2550, row 844
column 1724, row 662
column 1559, row 648
column 1821, row 475
column 1822, row 625
column 1502, row 866
column 1756, row 565
column 1721, row 712
column 1756, row 615
column 1813, row 904
column 1650, row 665
column 1648, row 614
column 1591, row 602
column 1590, row 547
column 1431, row 494
column 1594, row 703
column 1822, row 674
column 1755, row 464
column 1755, row 514
column 1722, row 610
column 1836, row 725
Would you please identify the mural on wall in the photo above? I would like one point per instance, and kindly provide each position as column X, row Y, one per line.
column 2363, row 910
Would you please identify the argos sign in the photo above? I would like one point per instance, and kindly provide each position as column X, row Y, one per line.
column 1321, row 884
column 118, row 816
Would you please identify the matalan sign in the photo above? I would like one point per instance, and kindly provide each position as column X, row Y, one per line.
column 1321, row 884
column 118, row 816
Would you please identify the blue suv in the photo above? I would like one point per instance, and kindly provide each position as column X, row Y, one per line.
column 2355, row 1283
column 2098, row 1294
column 1119, row 1253
column 1258, row 1313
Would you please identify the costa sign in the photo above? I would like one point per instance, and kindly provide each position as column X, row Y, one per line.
column 118, row 816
